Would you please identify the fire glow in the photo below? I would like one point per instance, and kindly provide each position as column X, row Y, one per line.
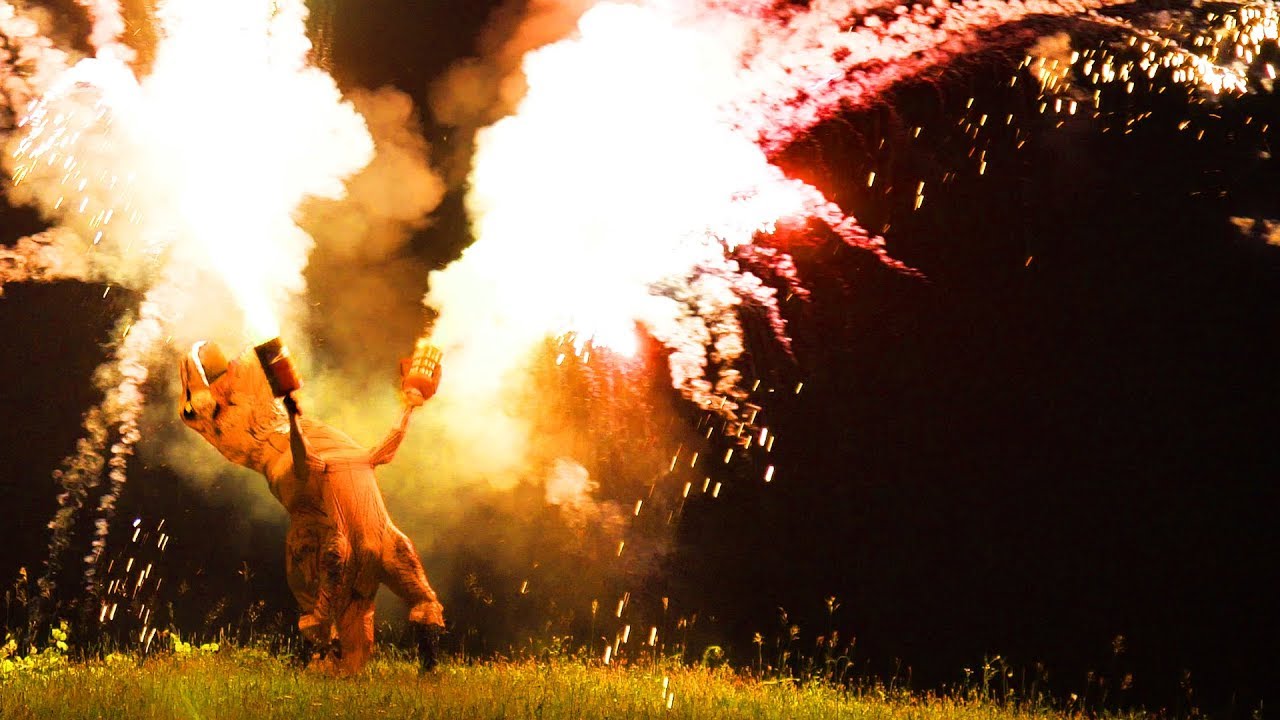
column 202, row 163
column 182, row 184
column 638, row 164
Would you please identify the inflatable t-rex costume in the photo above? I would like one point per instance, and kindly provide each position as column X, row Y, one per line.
column 341, row 543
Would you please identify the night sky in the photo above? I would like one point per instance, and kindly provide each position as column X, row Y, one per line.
column 1066, row 433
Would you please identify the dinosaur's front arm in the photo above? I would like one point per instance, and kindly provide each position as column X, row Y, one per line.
column 385, row 451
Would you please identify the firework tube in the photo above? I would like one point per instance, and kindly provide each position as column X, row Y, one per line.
column 282, row 374
column 422, row 371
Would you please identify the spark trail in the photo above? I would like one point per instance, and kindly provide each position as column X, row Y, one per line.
column 182, row 185
column 633, row 180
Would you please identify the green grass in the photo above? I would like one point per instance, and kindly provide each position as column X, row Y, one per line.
column 244, row 683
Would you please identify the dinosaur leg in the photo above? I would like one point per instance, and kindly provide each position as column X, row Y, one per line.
column 333, row 589
column 355, row 635
column 426, row 638
column 303, row 547
column 402, row 572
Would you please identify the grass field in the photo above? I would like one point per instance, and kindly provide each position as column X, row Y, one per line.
column 246, row 683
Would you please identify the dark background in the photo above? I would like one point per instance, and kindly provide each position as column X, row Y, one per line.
column 1028, row 458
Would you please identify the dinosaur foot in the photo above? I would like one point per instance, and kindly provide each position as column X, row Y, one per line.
column 302, row 657
column 427, row 639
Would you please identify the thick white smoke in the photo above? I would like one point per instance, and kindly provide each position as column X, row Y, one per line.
column 183, row 184
column 51, row 255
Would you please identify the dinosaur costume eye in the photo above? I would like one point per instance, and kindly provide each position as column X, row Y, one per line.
column 201, row 402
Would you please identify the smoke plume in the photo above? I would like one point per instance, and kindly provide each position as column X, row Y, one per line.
column 478, row 91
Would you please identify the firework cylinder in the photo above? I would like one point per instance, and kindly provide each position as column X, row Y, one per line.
column 282, row 373
column 422, row 371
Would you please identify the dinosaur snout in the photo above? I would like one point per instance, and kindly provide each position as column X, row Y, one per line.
column 199, row 369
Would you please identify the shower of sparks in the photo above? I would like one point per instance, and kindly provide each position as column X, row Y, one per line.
column 628, row 193
column 198, row 164
column 1211, row 55
column 631, row 186
column 181, row 184
column 131, row 582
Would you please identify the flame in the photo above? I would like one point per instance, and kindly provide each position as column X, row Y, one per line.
column 182, row 184
column 200, row 166
column 612, row 195
column 635, row 175
column 244, row 140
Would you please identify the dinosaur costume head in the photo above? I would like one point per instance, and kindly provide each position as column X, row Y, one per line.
column 230, row 404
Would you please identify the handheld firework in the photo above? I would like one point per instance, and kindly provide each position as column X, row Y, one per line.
column 282, row 373
column 422, row 371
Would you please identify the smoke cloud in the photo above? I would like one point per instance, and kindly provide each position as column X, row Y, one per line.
column 176, row 184
column 55, row 254
column 478, row 91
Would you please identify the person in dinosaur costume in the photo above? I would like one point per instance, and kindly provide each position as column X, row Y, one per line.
column 341, row 544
